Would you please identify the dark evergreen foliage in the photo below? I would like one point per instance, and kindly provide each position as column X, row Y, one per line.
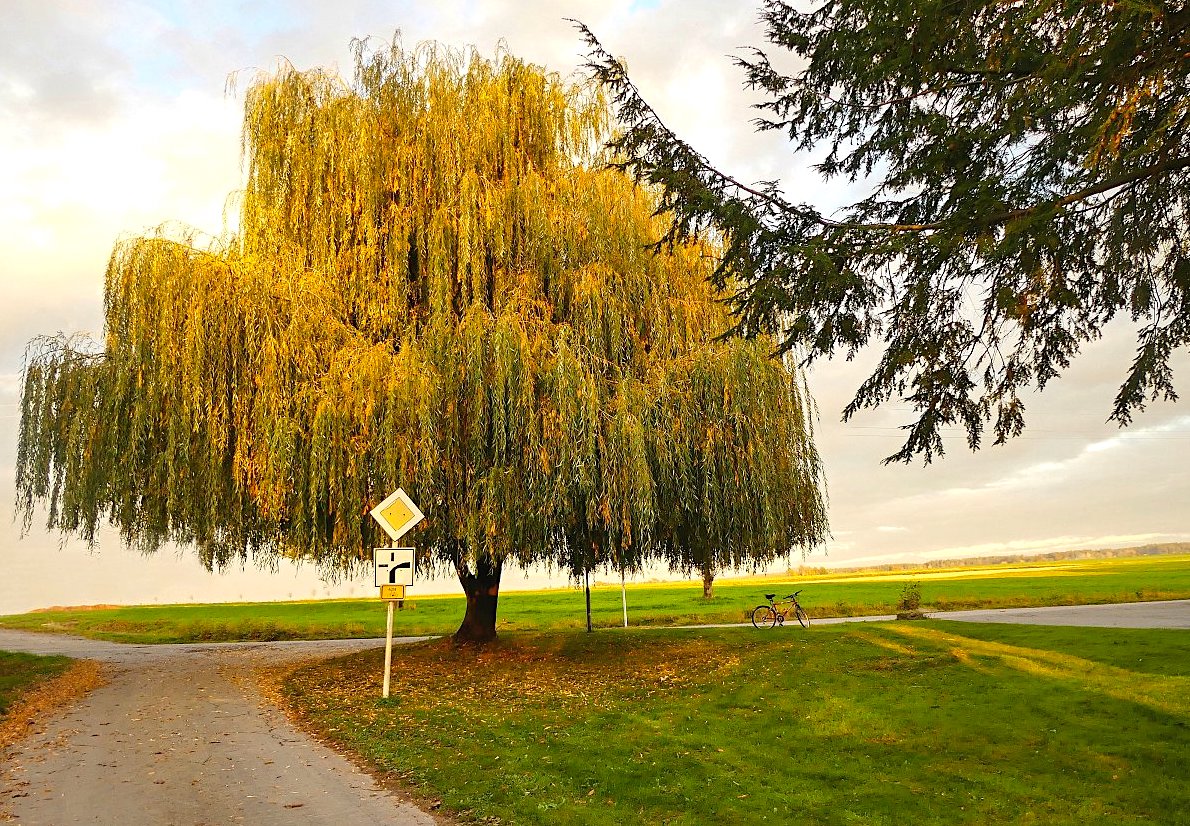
column 1028, row 166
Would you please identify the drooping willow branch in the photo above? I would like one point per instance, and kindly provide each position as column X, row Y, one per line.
column 436, row 284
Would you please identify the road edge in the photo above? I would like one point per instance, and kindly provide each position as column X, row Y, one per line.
column 269, row 680
column 40, row 704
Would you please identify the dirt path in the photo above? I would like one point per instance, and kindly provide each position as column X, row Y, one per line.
column 181, row 736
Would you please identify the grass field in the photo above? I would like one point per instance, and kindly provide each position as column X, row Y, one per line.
column 925, row 723
column 1065, row 583
column 20, row 672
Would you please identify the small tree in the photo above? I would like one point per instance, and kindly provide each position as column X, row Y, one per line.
column 436, row 284
column 909, row 605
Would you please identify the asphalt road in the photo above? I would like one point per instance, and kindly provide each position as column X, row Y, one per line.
column 181, row 736
column 1168, row 614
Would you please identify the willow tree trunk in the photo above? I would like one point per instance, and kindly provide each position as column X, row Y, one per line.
column 708, row 582
column 482, row 589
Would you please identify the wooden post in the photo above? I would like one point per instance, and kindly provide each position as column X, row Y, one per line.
column 388, row 646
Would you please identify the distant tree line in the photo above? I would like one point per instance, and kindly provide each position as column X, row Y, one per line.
column 1167, row 549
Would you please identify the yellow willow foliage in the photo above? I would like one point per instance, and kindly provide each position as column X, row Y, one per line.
column 437, row 284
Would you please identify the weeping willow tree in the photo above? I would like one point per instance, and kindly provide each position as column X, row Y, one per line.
column 738, row 469
column 436, row 283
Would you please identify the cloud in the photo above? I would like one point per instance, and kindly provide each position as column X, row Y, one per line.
column 57, row 64
column 1174, row 429
column 1043, row 474
column 10, row 387
column 79, row 190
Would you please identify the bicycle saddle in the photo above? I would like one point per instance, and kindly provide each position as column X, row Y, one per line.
column 769, row 596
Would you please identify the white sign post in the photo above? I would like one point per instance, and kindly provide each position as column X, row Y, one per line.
column 394, row 573
column 394, row 566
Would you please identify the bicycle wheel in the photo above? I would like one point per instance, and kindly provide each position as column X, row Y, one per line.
column 763, row 616
column 802, row 617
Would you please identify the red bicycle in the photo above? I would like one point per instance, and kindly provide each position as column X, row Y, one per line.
column 774, row 612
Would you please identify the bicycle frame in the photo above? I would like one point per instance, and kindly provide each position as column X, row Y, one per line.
column 780, row 609
column 783, row 608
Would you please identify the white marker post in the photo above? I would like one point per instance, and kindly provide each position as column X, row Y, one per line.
column 394, row 566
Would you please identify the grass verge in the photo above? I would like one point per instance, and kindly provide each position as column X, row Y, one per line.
column 927, row 722
column 1065, row 583
column 31, row 686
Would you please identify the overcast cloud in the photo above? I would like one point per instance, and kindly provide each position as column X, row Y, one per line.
column 114, row 119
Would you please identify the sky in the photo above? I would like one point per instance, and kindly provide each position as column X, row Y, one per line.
column 117, row 117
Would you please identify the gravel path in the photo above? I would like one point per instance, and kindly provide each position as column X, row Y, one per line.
column 180, row 736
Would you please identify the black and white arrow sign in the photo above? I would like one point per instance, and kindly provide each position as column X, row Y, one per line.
column 394, row 566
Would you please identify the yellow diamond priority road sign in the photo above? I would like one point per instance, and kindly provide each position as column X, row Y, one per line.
column 397, row 514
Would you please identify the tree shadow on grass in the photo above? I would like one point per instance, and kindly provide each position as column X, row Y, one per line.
column 1163, row 693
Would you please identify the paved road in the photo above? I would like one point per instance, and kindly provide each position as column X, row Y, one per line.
column 181, row 736
column 1169, row 614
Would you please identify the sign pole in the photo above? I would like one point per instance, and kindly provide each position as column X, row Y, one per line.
column 624, row 595
column 587, row 588
column 388, row 647
column 397, row 514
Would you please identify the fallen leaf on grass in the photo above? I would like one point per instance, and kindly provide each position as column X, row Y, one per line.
column 81, row 677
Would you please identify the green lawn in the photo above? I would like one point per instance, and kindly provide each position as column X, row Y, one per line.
column 1094, row 581
column 923, row 723
column 20, row 672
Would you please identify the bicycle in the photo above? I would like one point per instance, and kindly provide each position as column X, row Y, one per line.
column 774, row 613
